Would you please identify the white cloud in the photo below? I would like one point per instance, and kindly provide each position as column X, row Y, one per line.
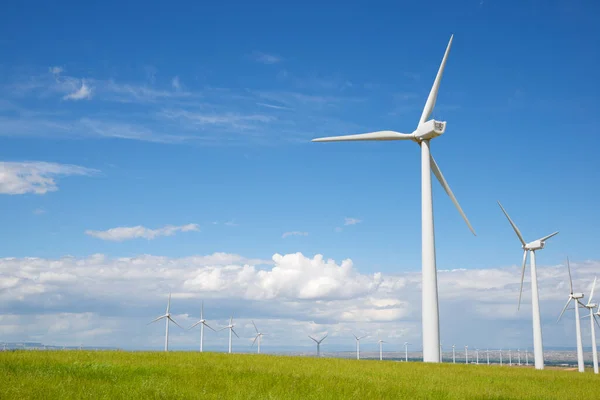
column 35, row 176
column 84, row 92
column 351, row 221
column 266, row 58
column 39, row 211
column 56, row 70
column 294, row 233
column 122, row 233
column 289, row 297
column 176, row 83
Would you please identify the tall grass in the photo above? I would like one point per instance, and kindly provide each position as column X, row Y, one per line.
column 188, row 375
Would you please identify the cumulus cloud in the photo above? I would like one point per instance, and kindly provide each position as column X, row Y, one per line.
column 176, row 83
column 84, row 92
column 351, row 221
column 294, row 233
column 266, row 58
column 122, row 233
column 288, row 296
column 36, row 177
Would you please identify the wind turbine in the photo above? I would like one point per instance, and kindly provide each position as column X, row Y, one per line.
column 230, row 327
column 358, row 345
column 575, row 297
column 168, row 318
column 467, row 354
column 202, row 323
column 590, row 306
column 426, row 130
column 258, row 336
column 538, row 347
column 487, row 353
column 318, row 342
column 381, row 348
column 453, row 355
column 406, row 351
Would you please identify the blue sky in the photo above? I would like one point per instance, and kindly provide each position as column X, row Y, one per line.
column 202, row 113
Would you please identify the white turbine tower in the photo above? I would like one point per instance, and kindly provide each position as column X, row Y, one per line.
column 230, row 327
column 426, row 130
column 575, row 297
column 258, row 336
column 358, row 345
column 318, row 342
column 202, row 323
column 590, row 306
column 168, row 318
column 453, row 355
column 538, row 347
column 466, row 354
column 381, row 349
column 406, row 351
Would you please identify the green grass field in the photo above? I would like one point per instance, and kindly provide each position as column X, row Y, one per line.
column 189, row 375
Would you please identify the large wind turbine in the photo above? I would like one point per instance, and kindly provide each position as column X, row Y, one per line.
column 318, row 342
column 202, row 323
column 358, row 345
column 538, row 347
column 167, row 315
column 230, row 327
column 426, row 130
column 590, row 306
column 258, row 336
column 575, row 297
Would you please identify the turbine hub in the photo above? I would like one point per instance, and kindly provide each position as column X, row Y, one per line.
column 429, row 130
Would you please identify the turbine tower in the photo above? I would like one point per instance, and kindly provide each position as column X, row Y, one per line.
column 230, row 327
column 590, row 306
column 318, row 342
column 538, row 347
column 381, row 349
column 358, row 345
column 202, row 323
column 167, row 315
column 258, row 336
column 406, row 351
column 575, row 297
column 427, row 129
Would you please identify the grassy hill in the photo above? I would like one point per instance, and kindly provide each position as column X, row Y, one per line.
column 187, row 375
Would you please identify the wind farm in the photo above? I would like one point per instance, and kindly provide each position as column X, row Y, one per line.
column 241, row 162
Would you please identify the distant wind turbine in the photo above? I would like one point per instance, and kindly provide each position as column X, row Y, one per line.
column 202, row 323
column 318, row 342
column 258, row 336
column 230, row 327
column 466, row 354
column 406, row 351
column 168, row 318
column 358, row 345
column 538, row 347
column 453, row 355
column 426, row 130
column 575, row 297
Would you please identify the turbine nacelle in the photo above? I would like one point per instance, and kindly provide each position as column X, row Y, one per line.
column 535, row 245
column 429, row 130
column 576, row 296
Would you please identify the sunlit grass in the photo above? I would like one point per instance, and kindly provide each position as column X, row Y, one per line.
column 179, row 375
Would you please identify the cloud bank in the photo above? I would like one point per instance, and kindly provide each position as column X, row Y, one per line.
column 123, row 233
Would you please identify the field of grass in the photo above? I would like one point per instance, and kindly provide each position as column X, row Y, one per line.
column 187, row 375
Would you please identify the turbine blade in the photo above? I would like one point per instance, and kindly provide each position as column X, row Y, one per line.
column 592, row 292
column 222, row 329
column 564, row 309
column 570, row 279
column 316, row 341
column 522, row 277
column 323, row 338
column 513, row 225
column 234, row 333
column 208, row 326
column 436, row 85
column 255, row 328
column 202, row 310
column 548, row 237
column 596, row 319
column 154, row 320
column 256, row 337
column 173, row 321
column 197, row 323
column 379, row 135
column 168, row 304
column 438, row 174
